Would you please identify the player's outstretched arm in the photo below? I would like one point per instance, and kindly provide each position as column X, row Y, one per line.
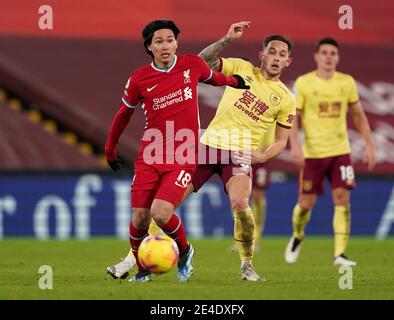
column 360, row 122
column 221, row 79
column 281, row 138
column 211, row 53
column 217, row 78
column 119, row 123
column 255, row 156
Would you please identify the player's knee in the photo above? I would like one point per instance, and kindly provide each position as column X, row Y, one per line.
column 306, row 205
column 239, row 203
column 257, row 194
column 161, row 213
column 141, row 218
column 341, row 199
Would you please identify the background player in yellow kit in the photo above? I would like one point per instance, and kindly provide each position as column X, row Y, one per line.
column 260, row 181
column 324, row 96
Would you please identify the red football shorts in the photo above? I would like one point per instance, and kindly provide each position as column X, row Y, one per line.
column 159, row 181
column 338, row 170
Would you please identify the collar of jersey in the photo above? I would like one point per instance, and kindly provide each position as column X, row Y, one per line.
column 257, row 71
column 165, row 69
column 326, row 80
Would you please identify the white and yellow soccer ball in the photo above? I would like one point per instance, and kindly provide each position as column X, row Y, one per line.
column 158, row 253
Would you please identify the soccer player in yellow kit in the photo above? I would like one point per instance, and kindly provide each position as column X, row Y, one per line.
column 241, row 121
column 324, row 96
column 260, row 182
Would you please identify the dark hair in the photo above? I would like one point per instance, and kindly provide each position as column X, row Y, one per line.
column 277, row 37
column 326, row 40
column 152, row 27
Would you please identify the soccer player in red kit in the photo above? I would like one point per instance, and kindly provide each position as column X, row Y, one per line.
column 167, row 92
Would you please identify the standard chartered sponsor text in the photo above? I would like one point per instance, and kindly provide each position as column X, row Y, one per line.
column 169, row 99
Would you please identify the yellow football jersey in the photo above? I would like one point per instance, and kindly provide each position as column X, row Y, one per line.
column 268, row 138
column 244, row 116
column 324, row 105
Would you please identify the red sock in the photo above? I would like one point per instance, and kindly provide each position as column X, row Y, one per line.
column 174, row 229
column 136, row 237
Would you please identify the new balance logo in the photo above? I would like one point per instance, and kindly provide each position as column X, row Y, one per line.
column 151, row 88
column 188, row 93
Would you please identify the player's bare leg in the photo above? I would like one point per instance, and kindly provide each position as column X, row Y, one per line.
column 188, row 192
column 258, row 206
column 239, row 189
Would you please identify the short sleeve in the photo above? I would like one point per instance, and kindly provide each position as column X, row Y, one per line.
column 131, row 93
column 232, row 65
column 287, row 114
column 299, row 94
column 353, row 92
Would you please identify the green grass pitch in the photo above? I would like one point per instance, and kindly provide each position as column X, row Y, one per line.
column 79, row 271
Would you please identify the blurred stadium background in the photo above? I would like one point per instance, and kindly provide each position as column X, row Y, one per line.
column 60, row 88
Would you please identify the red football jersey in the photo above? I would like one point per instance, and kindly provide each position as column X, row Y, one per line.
column 169, row 98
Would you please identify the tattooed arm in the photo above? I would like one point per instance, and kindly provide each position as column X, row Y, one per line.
column 211, row 53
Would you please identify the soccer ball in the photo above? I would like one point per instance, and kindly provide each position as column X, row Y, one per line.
column 158, row 253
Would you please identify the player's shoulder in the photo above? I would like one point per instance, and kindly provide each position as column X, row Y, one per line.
column 141, row 71
column 284, row 88
column 188, row 58
column 240, row 62
column 285, row 91
column 341, row 76
column 193, row 61
column 306, row 77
